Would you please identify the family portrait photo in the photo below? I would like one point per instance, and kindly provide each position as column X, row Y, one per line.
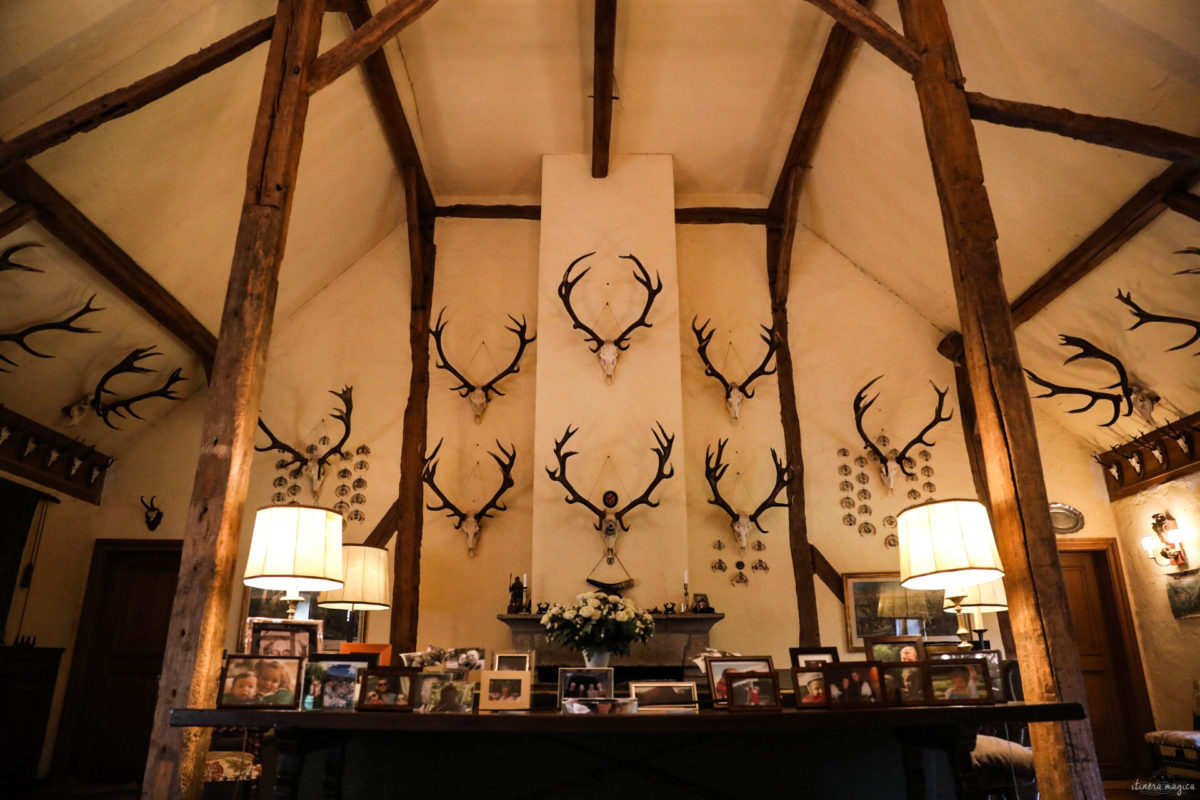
column 591, row 682
column 386, row 689
column 331, row 682
column 504, row 690
column 249, row 681
column 855, row 684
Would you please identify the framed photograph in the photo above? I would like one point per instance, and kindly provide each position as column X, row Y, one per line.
column 717, row 667
column 960, row 682
column 599, row 705
column 655, row 696
column 906, row 684
column 584, row 682
column 504, row 690
column 869, row 600
column 895, row 648
column 1183, row 593
column 513, row 662
column 467, row 658
column 443, row 693
column 807, row 656
column 994, row 665
column 337, row 628
column 331, row 681
column 809, row 685
column 700, row 604
column 853, row 683
column 251, row 681
column 386, row 689
column 284, row 637
column 752, row 691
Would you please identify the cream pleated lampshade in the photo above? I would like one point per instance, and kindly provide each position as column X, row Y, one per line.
column 295, row 549
column 984, row 597
column 946, row 543
column 368, row 580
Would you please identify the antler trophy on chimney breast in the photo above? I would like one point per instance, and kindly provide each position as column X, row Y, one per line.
column 894, row 461
column 470, row 523
column 608, row 350
column 735, row 393
column 610, row 521
column 479, row 395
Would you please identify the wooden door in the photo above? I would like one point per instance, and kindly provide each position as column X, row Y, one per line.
column 109, row 707
column 1118, row 703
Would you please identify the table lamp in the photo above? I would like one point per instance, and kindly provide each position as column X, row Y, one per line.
column 295, row 549
column 367, row 580
column 979, row 599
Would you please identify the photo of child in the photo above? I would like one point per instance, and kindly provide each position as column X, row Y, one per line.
column 956, row 682
column 254, row 682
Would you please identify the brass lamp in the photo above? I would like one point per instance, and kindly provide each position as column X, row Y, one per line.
column 368, row 580
column 295, row 549
column 980, row 599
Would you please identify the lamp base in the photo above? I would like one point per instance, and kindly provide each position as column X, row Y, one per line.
column 292, row 600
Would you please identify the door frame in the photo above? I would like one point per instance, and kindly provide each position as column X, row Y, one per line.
column 1141, row 713
column 86, row 636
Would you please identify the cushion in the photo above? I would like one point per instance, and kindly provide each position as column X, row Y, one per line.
column 1184, row 739
column 995, row 754
column 227, row 765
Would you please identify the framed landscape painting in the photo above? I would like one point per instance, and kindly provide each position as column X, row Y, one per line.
column 865, row 592
column 1183, row 593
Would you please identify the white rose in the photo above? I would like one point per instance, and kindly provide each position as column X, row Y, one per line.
column 612, row 598
column 622, row 616
column 569, row 614
column 586, row 612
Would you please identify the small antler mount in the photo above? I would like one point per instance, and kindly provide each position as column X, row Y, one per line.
column 467, row 522
column 479, row 395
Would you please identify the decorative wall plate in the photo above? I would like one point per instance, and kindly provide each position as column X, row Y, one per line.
column 1065, row 519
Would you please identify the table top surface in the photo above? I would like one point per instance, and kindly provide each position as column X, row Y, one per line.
column 706, row 720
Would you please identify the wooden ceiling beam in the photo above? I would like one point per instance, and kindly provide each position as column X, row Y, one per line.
column 477, row 211
column 15, row 217
column 1184, row 203
column 873, row 30
column 397, row 131
column 71, row 227
column 714, row 215
column 119, row 102
column 374, row 34
column 830, row 69
column 603, row 79
column 1148, row 140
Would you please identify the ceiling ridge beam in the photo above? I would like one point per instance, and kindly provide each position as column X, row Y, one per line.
column 71, row 227
column 374, row 34
column 386, row 98
column 874, row 30
column 835, row 58
column 603, row 79
column 1123, row 134
column 127, row 99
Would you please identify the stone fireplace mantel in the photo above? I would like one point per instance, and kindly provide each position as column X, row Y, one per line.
column 677, row 639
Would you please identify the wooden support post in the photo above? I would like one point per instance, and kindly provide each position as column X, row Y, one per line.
column 779, row 268
column 196, row 635
column 1064, row 755
column 605, row 42
column 406, row 584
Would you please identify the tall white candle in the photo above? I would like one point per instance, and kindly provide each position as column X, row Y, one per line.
column 524, row 578
column 685, row 576
column 978, row 620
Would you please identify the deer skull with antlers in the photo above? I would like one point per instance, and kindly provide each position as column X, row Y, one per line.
column 735, row 393
column 311, row 464
column 608, row 350
column 106, row 409
column 471, row 524
column 479, row 396
column 612, row 523
column 890, row 465
column 714, row 470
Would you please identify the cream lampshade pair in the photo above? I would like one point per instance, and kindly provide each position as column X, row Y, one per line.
column 298, row 548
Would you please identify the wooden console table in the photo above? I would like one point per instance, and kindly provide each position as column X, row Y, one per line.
column 677, row 639
column 853, row 753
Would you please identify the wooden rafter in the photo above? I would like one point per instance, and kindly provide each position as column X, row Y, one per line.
column 196, row 631
column 1064, row 755
column 15, row 217
column 1149, row 140
column 119, row 102
column 1184, row 203
column 374, row 34
column 830, row 69
column 475, row 211
column 873, row 30
column 721, row 216
column 396, row 129
column 71, row 227
column 605, row 40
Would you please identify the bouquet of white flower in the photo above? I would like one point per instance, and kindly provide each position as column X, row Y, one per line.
column 597, row 622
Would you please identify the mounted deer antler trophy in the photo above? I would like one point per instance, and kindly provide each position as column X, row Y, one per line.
column 714, row 470
column 308, row 462
column 469, row 523
column 1143, row 317
column 1088, row 350
column 6, row 262
column 478, row 396
column 611, row 523
column 896, row 461
column 608, row 350
column 66, row 325
column 735, row 393
column 106, row 409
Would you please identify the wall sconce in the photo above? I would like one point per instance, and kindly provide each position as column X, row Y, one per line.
column 1166, row 543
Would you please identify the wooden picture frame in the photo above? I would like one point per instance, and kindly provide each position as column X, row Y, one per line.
column 718, row 666
column 584, row 682
column 906, row 683
column 387, row 689
column 801, row 656
column 467, row 658
column 331, row 681
column 808, row 684
column 245, row 676
column 994, row 659
column 894, row 648
column 854, row 684
column 504, row 690
column 958, row 682
column 513, row 662
column 284, row 637
column 442, row 693
column 862, row 591
column 664, row 696
column 753, row 691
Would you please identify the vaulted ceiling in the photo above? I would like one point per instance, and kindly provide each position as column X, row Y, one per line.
column 491, row 85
